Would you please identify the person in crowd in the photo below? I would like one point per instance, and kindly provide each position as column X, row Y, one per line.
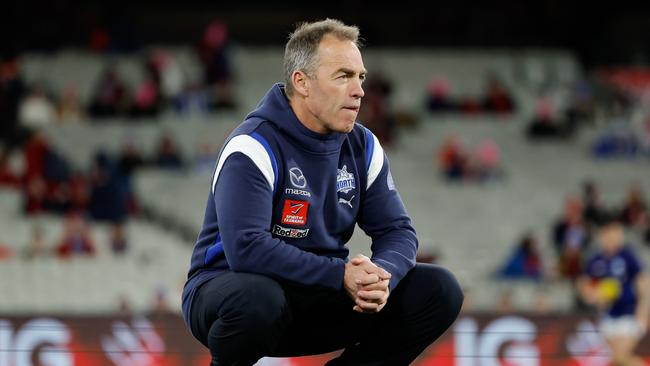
column 497, row 98
column 545, row 124
column 571, row 239
column 118, row 239
column 108, row 199
column 76, row 240
column 635, row 210
column 594, row 210
column 12, row 90
column 8, row 177
column 616, row 283
column 37, row 247
column 110, row 98
column 525, row 261
column 218, row 70
column 488, row 161
column 438, row 96
column 148, row 96
column 452, row 159
column 168, row 156
column 37, row 110
column 70, row 110
column 129, row 161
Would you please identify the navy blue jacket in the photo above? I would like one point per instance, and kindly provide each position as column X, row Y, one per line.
column 284, row 200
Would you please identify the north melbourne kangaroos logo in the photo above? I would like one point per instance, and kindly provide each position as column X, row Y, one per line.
column 344, row 180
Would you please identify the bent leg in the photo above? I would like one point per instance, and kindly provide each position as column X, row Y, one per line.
column 239, row 317
column 622, row 348
column 424, row 304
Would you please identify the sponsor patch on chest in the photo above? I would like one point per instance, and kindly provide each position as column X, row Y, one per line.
column 294, row 212
column 290, row 232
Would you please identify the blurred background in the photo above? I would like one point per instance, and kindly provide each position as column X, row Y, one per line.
column 511, row 129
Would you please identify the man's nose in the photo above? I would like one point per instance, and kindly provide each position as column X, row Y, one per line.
column 357, row 90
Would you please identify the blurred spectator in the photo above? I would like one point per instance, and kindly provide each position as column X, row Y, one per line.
column 616, row 284
column 34, row 152
column 571, row 239
column 194, row 100
column 376, row 111
column 168, row 155
column 7, row 176
column 635, row 210
column 12, row 89
column 618, row 139
column 148, row 97
column 56, row 168
column 593, row 209
column 58, row 197
column 79, row 194
column 129, row 161
column 581, row 107
column 488, row 158
column 545, row 124
column 172, row 76
column 452, row 159
column 525, row 261
column 438, row 98
column 616, row 144
column 459, row 165
column 497, row 99
column 37, row 247
column 36, row 110
column 35, row 195
column 213, row 52
column 107, row 198
column 76, row 238
column 130, row 158
column 70, row 109
column 56, row 174
column 118, row 240
column 110, row 98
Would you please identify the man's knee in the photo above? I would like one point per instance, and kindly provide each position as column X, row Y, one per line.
column 259, row 304
column 442, row 287
column 251, row 320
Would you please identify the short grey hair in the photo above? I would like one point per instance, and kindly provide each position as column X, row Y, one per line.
column 300, row 53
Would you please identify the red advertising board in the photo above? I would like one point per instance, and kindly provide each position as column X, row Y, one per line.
column 474, row 340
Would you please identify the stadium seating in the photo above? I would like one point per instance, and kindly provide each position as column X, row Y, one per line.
column 472, row 226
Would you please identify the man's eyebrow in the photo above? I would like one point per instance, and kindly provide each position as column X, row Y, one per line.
column 345, row 70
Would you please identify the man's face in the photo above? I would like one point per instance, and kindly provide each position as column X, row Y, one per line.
column 335, row 91
column 611, row 237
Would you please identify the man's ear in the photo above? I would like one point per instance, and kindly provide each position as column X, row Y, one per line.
column 300, row 83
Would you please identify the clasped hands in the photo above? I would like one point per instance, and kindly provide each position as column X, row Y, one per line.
column 366, row 284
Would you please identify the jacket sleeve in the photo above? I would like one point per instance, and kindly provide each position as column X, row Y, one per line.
column 244, row 204
column 384, row 218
